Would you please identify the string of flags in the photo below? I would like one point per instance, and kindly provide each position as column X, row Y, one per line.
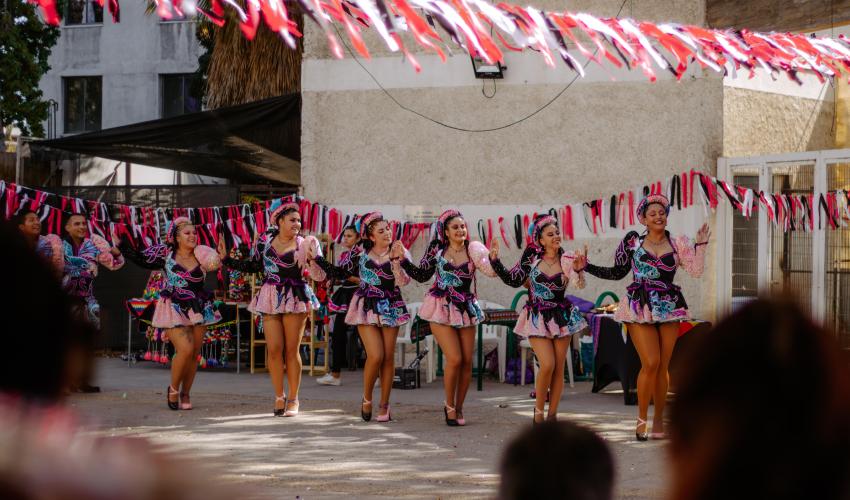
column 240, row 224
column 488, row 31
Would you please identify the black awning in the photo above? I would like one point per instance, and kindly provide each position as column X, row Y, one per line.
column 248, row 143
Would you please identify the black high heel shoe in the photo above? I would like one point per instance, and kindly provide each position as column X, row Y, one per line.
column 534, row 417
column 451, row 422
column 278, row 412
column 641, row 436
column 174, row 405
column 365, row 416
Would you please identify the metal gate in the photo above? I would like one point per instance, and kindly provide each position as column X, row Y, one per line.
column 755, row 257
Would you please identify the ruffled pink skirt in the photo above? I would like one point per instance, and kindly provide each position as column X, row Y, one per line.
column 442, row 311
column 529, row 326
column 630, row 311
column 391, row 314
column 269, row 301
column 167, row 314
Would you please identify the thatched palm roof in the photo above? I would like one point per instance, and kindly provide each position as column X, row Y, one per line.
column 243, row 71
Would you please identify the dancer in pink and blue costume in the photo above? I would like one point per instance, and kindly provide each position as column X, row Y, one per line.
column 654, row 306
column 184, row 308
column 284, row 299
column 451, row 304
column 548, row 319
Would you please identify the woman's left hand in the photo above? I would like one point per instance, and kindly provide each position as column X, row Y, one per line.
column 703, row 234
column 397, row 250
column 580, row 261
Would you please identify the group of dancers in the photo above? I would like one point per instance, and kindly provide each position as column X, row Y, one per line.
column 371, row 272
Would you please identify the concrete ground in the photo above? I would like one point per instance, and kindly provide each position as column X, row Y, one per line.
column 329, row 452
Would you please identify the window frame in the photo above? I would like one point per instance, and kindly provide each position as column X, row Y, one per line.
column 89, row 6
column 66, row 81
column 185, row 84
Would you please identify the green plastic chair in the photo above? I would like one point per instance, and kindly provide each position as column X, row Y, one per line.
column 511, row 350
column 605, row 295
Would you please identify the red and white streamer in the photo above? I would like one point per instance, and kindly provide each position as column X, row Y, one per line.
column 485, row 30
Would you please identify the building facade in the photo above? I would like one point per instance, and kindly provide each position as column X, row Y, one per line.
column 607, row 132
column 105, row 74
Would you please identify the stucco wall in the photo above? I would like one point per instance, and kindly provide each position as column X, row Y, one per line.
column 590, row 142
column 762, row 123
column 360, row 149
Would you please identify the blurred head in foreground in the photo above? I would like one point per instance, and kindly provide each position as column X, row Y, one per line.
column 763, row 410
column 45, row 346
column 44, row 451
column 557, row 460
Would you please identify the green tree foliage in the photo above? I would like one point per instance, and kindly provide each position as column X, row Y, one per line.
column 25, row 44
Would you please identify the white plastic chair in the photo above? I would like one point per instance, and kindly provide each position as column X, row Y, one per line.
column 405, row 339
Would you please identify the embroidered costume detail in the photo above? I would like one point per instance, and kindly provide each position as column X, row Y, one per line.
column 652, row 297
column 285, row 289
column 79, row 267
column 377, row 300
column 183, row 301
column 341, row 298
column 547, row 312
column 51, row 248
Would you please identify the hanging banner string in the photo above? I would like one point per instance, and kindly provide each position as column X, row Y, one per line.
column 240, row 224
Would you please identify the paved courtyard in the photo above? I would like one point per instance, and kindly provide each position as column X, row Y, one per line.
column 329, row 452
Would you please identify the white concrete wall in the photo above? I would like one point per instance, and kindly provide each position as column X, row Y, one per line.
column 609, row 131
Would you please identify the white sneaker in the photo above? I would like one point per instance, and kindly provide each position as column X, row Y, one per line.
column 328, row 379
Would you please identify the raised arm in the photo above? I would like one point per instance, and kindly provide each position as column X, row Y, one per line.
column 399, row 274
column 345, row 269
column 516, row 276
column 427, row 265
column 622, row 260
column 152, row 257
column 343, row 259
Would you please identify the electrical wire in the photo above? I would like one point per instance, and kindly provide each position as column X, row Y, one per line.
column 484, row 83
column 462, row 129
